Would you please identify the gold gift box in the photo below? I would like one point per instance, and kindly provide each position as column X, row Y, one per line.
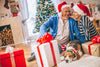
column 95, row 48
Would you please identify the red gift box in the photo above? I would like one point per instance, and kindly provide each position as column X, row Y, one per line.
column 19, row 59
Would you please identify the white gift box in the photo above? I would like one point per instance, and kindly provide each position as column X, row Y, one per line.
column 46, row 54
column 84, row 61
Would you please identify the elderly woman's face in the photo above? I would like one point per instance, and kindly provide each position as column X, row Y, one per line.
column 76, row 15
column 66, row 12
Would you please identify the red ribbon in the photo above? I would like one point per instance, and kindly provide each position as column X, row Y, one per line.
column 53, row 54
column 89, row 48
column 95, row 39
column 40, row 56
column 46, row 38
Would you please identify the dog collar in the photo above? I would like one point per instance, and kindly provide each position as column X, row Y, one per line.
column 71, row 52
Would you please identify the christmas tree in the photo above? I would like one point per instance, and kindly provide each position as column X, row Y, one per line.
column 45, row 9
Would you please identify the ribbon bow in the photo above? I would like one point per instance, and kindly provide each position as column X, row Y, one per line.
column 9, row 49
column 96, row 39
column 46, row 38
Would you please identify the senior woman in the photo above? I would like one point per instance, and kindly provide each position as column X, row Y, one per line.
column 81, row 15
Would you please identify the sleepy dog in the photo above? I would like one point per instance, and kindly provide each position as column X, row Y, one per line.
column 73, row 51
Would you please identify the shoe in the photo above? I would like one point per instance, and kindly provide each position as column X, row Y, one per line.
column 32, row 53
column 31, row 58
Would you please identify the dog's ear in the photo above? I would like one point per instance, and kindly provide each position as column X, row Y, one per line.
column 78, row 47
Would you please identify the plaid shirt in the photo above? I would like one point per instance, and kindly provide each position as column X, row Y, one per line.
column 87, row 28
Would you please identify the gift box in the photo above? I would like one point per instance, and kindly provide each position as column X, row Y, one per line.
column 15, row 59
column 85, row 61
column 94, row 48
column 48, row 54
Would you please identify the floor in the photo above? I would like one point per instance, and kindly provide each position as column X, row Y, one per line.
column 27, row 53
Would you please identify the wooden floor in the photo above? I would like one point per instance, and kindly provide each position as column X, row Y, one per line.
column 27, row 53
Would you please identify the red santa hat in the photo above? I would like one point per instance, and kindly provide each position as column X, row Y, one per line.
column 82, row 9
column 61, row 6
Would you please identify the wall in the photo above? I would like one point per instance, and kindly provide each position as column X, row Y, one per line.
column 3, row 10
column 19, row 21
column 16, row 28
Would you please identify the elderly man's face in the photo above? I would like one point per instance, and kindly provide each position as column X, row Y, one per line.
column 66, row 12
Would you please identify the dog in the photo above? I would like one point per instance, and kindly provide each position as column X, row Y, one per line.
column 73, row 51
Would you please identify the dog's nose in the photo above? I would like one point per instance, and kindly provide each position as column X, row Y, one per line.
column 67, row 61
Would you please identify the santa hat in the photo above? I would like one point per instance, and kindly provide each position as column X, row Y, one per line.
column 82, row 9
column 61, row 6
